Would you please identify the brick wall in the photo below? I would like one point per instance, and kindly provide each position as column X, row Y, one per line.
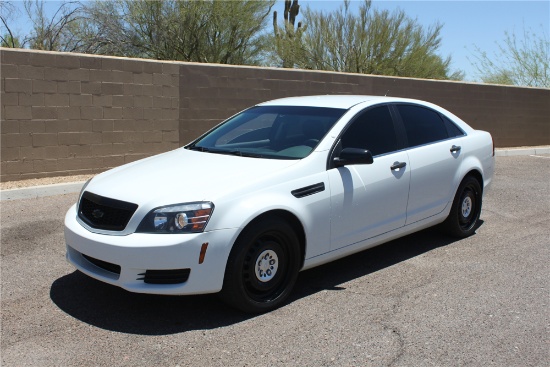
column 68, row 114
column 209, row 93
column 65, row 114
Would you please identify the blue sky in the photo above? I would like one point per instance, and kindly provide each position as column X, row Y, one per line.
column 466, row 24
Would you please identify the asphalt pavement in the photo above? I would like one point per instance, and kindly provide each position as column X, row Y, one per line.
column 423, row 300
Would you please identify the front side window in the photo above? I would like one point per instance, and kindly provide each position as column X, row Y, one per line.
column 277, row 132
column 373, row 130
column 422, row 125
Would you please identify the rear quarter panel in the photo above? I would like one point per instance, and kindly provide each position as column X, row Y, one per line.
column 478, row 155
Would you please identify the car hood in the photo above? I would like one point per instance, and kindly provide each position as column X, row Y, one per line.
column 181, row 176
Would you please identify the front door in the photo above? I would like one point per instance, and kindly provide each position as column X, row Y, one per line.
column 368, row 200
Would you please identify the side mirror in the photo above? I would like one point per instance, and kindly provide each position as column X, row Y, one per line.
column 353, row 156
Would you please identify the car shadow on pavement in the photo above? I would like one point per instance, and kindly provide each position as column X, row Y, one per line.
column 112, row 308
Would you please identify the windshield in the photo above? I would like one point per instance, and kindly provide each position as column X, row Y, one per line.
column 277, row 132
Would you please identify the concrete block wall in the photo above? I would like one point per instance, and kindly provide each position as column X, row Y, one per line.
column 209, row 93
column 65, row 114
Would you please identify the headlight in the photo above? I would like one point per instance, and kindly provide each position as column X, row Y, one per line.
column 178, row 218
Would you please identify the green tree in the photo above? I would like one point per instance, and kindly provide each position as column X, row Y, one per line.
column 227, row 32
column 51, row 33
column 372, row 42
column 7, row 36
column 8, row 40
column 519, row 61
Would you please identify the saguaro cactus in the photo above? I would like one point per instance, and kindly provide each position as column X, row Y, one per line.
column 285, row 39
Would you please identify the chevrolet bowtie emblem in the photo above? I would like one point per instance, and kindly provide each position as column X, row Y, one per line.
column 98, row 213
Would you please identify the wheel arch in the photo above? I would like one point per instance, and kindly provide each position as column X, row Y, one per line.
column 475, row 174
column 291, row 219
column 471, row 172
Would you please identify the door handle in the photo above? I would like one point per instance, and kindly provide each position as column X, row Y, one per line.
column 455, row 149
column 398, row 165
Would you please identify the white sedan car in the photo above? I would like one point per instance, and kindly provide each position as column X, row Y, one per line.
column 281, row 187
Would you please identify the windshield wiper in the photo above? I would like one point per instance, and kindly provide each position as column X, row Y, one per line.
column 239, row 153
column 246, row 154
column 233, row 152
column 200, row 149
column 227, row 152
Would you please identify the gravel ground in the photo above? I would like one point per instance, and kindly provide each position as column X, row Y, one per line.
column 423, row 300
column 43, row 181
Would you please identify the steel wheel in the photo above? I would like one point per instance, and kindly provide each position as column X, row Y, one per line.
column 467, row 211
column 262, row 267
column 265, row 266
column 464, row 216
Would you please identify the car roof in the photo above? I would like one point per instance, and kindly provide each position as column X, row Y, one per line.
column 331, row 101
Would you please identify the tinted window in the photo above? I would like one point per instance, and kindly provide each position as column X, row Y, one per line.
column 422, row 125
column 452, row 129
column 280, row 132
column 373, row 130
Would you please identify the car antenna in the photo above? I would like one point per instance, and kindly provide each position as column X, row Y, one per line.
column 388, row 91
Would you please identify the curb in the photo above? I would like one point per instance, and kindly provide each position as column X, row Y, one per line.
column 73, row 187
column 41, row 191
column 510, row 152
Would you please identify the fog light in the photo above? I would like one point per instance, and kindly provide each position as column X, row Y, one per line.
column 181, row 220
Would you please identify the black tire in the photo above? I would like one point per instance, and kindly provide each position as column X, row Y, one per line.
column 464, row 216
column 262, row 267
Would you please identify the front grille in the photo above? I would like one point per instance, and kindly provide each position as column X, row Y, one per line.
column 173, row 276
column 113, row 268
column 105, row 213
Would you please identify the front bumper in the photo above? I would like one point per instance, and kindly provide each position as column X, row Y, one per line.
column 138, row 252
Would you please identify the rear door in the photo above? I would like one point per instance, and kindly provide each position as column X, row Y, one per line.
column 434, row 153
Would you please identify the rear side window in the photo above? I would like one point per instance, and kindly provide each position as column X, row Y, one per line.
column 422, row 125
column 452, row 129
column 373, row 130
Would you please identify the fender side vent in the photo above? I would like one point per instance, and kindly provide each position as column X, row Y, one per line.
column 308, row 190
column 173, row 276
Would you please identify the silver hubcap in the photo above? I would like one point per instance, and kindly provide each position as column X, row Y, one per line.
column 466, row 206
column 266, row 266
